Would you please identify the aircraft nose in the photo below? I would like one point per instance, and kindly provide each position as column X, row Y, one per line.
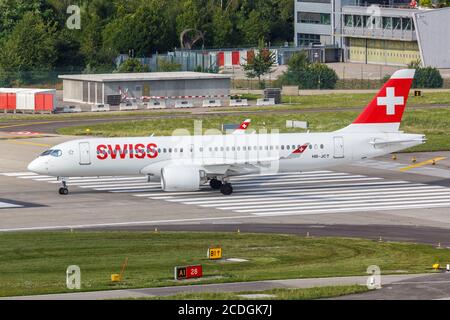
column 37, row 166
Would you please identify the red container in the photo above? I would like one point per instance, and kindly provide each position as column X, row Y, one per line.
column 48, row 102
column 236, row 58
column 3, row 101
column 39, row 102
column 221, row 59
column 12, row 102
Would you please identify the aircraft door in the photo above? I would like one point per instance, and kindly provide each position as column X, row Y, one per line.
column 85, row 154
column 339, row 148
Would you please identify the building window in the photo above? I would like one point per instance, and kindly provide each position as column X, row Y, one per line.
column 307, row 39
column 387, row 23
column 314, row 18
column 348, row 20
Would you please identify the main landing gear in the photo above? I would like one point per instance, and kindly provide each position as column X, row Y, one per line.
column 224, row 187
column 64, row 191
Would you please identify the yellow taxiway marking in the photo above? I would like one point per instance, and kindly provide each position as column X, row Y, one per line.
column 30, row 143
column 421, row 164
column 26, row 124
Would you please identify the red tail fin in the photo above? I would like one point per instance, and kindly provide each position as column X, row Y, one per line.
column 385, row 112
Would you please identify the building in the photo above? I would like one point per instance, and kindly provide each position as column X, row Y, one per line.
column 379, row 32
column 114, row 88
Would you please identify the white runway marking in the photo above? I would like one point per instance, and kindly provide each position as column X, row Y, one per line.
column 274, row 195
column 6, row 205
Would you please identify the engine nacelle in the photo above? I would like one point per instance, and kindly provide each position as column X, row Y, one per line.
column 182, row 178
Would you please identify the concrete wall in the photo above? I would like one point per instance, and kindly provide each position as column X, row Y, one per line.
column 73, row 91
column 433, row 33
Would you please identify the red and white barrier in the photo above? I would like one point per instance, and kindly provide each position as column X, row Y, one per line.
column 40, row 100
column 183, row 97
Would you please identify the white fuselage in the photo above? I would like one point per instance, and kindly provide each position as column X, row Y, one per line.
column 250, row 153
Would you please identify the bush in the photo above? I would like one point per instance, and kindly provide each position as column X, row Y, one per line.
column 132, row 65
column 428, row 78
column 309, row 75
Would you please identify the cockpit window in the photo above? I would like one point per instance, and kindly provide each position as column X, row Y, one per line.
column 46, row 153
column 53, row 153
column 56, row 153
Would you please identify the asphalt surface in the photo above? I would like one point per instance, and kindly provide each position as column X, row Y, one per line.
column 428, row 287
column 52, row 126
column 429, row 281
column 385, row 233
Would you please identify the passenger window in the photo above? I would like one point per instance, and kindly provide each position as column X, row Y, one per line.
column 322, row 146
column 282, row 147
column 165, row 150
column 310, row 146
column 288, row 147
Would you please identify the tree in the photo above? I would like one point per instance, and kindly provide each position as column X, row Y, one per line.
column 426, row 77
column 260, row 65
column 222, row 27
column 164, row 65
column 30, row 50
column 132, row 66
column 308, row 75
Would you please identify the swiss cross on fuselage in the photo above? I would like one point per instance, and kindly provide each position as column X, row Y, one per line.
column 390, row 101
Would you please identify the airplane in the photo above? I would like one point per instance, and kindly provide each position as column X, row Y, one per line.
column 186, row 163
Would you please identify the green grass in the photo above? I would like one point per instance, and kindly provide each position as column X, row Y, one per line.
column 35, row 263
column 434, row 122
column 342, row 101
column 279, row 294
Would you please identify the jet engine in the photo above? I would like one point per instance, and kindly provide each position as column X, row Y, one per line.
column 182, row 178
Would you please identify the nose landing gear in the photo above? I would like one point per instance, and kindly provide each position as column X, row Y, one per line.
column 64, row 191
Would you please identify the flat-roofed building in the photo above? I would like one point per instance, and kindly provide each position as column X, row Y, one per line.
column 390, row 32
column 112, row 88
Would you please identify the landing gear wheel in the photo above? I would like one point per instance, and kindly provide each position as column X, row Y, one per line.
column 63, row 191
column 215, row 184
column 226, row 189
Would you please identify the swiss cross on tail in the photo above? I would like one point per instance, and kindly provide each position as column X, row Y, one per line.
column 243, row 127
column 388, row 106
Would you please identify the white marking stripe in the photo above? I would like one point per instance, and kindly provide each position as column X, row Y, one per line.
column 361, row 209
column 326, row 201
column 338, row 204
column 5, row 205
column 17, row 174
column 146, row 185
column 284, row 190
column 300, row 195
